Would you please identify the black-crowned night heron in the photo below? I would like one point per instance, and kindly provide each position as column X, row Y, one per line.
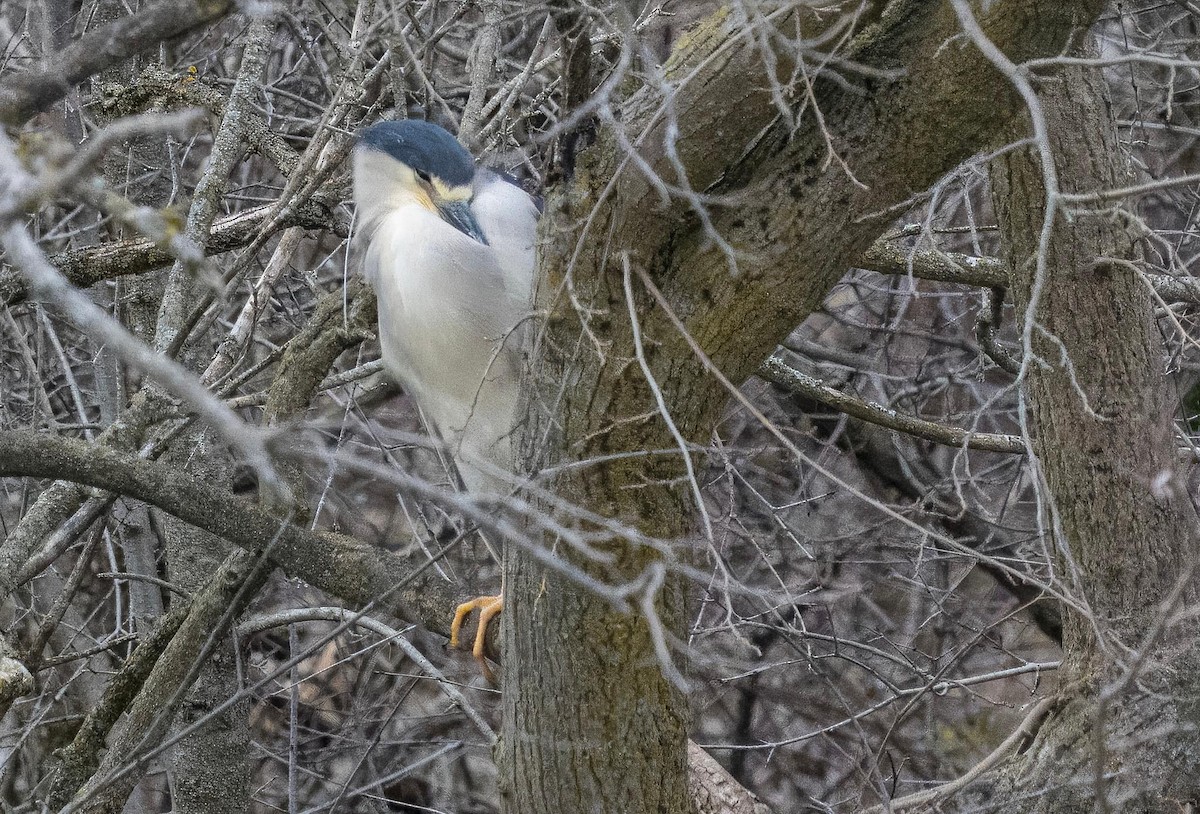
column 450, row 253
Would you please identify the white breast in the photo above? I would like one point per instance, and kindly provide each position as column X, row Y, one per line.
column 450, row 310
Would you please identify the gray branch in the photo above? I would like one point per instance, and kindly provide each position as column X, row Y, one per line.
column 777, row 372
column 26, row 94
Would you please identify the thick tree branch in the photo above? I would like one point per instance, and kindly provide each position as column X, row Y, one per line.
column 25, row 94
column 886, row 257
column 714, row 790
column 902, row 133
column 15, row 678
column 156, row 89
column 319, row 345
column 353, row 571
column 342, row 566
column 88, row 266
column 188, row 652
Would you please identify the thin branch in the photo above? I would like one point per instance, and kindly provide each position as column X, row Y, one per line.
column 90, row 319
column 180, row 292
column 483, row 69
column 210, row 614
column 1119, row 193
column 389, row 633
column 1025, row 731
column 988, row 325
column 80, row 758
column 777, row 372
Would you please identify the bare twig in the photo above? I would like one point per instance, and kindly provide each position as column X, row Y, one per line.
column 987, row 325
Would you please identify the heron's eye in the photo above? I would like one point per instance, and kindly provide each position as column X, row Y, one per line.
column 424, row 176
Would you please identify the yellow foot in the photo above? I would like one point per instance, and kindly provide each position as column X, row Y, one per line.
column 489, row 606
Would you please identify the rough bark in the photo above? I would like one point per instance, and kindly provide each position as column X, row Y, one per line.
column 715, row 791
column 591, row 719
column 1125, row 530
column 1094, row 338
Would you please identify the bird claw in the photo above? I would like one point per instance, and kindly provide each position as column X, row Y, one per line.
column 489, row 607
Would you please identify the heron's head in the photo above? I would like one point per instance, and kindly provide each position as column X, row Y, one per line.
column 412, row 161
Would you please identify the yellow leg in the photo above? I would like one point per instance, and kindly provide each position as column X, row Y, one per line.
column 489, row 607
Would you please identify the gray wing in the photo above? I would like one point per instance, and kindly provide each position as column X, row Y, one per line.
column 508, row 217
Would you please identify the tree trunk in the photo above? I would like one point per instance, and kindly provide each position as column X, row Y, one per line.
column 592, row 685
column 1117, row 511
column 592, row 722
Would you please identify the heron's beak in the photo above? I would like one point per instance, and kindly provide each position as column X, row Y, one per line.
column 458, row 214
